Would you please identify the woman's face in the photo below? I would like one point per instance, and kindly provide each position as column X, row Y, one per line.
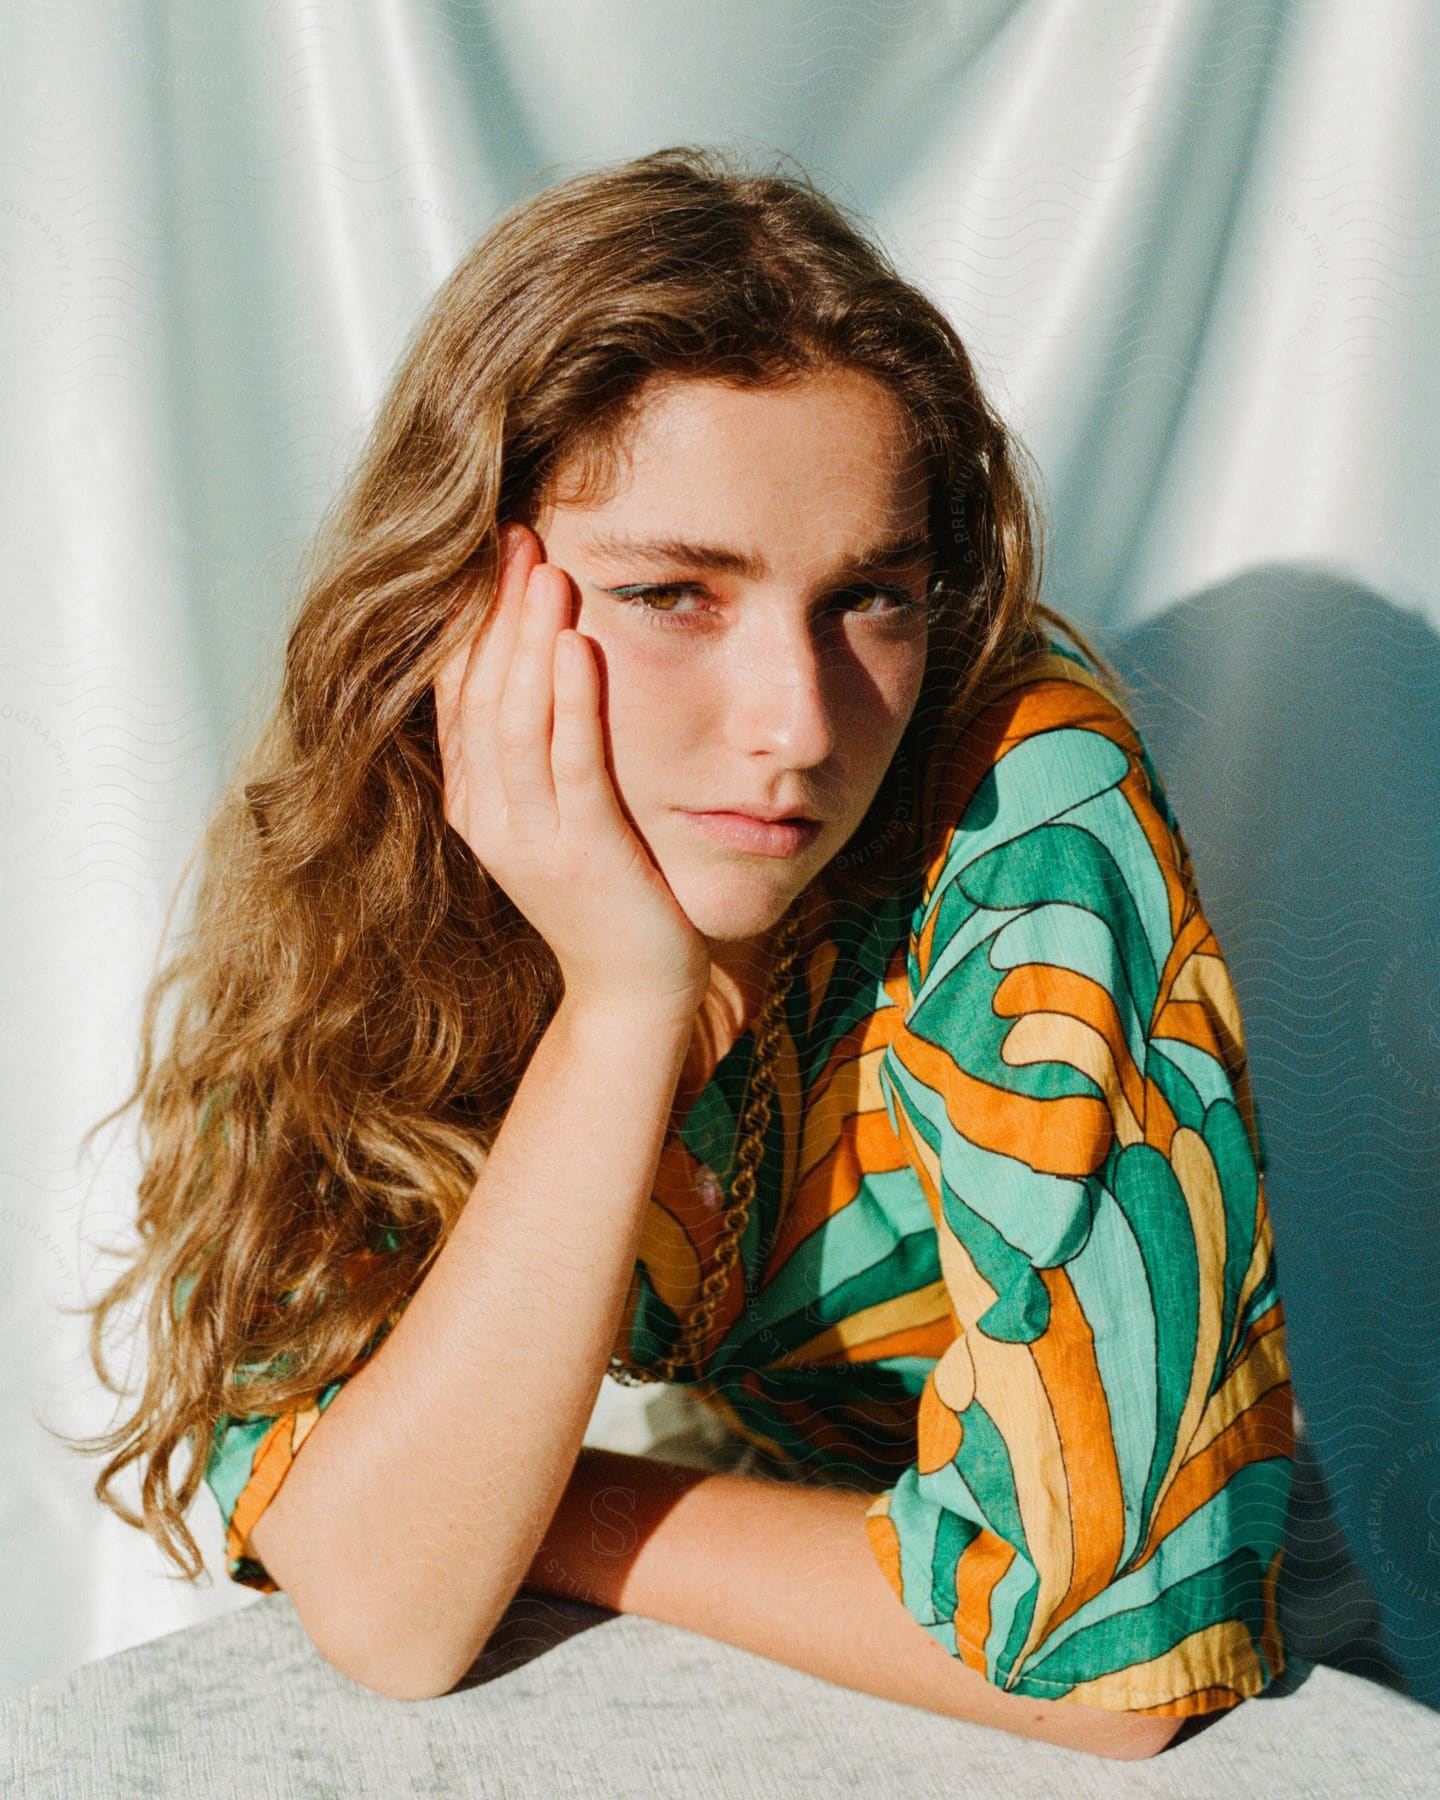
column 783, row 672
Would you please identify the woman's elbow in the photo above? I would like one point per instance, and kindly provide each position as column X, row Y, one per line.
column 1138, row 1736
column 394, row 1674
column 390, row 1683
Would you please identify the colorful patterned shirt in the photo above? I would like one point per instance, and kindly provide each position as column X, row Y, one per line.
column 1009, row 1263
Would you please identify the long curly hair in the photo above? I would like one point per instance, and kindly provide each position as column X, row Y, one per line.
column 357, row 998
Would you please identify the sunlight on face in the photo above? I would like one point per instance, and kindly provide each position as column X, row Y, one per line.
column 787, row 682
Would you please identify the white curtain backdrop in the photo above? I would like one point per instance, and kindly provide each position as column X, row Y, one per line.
column 1195, row 247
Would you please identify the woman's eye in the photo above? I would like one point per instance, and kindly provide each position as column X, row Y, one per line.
column 650, row 601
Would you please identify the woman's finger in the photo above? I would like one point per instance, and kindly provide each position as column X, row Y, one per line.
column 582, row 784
column 449, row 680
column 496, row 638
column 525, row 719
column 458, row 672
column 472, row 680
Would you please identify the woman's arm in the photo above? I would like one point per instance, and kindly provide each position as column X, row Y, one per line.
column 784, row 1571
column 404, row 1529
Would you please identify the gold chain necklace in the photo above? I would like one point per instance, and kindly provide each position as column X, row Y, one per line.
column 759, row 1089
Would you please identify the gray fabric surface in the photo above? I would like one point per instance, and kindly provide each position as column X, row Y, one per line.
column 571, row 1700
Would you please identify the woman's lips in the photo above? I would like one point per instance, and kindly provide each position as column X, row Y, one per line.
column 740, row 832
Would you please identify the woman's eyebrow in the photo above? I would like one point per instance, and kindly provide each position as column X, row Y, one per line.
column 749, row 564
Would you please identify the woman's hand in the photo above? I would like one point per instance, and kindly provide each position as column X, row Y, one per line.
column 518, row 715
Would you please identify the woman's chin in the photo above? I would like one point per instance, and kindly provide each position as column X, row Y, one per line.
column 738, row 908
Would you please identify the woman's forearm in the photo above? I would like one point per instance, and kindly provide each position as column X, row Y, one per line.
column 406, row 1525
column 785, row 1571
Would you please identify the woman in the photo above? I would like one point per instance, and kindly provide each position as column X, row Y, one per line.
column 912, row 1132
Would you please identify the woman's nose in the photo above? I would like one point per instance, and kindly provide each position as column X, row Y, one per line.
column 785, row 700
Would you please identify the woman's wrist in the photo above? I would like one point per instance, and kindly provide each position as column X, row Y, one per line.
column 654, row 1020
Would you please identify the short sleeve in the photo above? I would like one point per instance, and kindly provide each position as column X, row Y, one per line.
column 1097, row 1505
column 249, row 1457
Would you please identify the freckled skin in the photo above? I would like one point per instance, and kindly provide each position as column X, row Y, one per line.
column 784, row 691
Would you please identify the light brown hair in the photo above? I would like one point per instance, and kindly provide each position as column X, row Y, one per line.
column 358, row 1000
